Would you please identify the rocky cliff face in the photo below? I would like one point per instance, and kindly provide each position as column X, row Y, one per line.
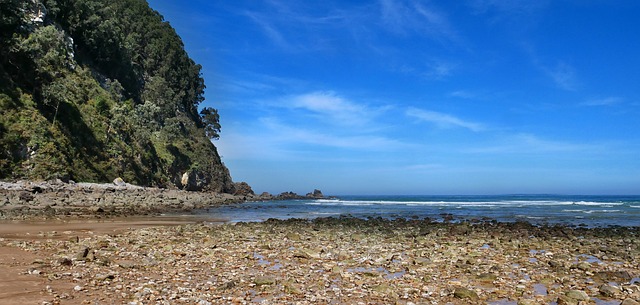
column 91, row 90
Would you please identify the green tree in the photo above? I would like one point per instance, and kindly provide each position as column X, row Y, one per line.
column 211, row 122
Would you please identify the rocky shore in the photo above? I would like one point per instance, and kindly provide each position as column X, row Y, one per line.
column 56, row 199
column 337, row 261
column 28, row 200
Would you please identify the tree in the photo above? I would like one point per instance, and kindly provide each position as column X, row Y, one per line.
column 211, row 121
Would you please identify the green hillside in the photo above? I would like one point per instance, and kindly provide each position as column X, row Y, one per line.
column 91, row 90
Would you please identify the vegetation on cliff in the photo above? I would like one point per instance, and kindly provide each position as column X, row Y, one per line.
column 91, row 90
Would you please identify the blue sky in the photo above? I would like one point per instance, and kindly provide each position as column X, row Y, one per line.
column 421, row 97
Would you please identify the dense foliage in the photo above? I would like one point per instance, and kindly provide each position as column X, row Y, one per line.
column 91, row 90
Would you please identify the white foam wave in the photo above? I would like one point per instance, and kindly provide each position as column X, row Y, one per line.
column 513, row 203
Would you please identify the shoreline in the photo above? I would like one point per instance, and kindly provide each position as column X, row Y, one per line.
column 95, row 244
column 334, row 260
column 59, row 200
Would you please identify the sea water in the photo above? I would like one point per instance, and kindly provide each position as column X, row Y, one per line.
column 589, row 211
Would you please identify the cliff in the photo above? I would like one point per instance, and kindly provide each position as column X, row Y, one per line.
column 91, row 90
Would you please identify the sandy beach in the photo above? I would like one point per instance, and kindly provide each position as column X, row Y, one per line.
column 324, row 261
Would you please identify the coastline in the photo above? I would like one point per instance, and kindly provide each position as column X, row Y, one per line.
column 334, row 260
column 103, row 243
column 58, row 200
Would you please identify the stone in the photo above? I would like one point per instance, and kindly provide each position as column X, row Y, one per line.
column 527, row 302
column 630, row 302
column 584, row 266
column 608, row 290
column 264, row 280
column 487, row 277
column 65, row 261
column 577, row 295
column 119, row 182
column 317, row 194
column 243, row 189
column 82, row 254
column 464, row 293
column 565, row 300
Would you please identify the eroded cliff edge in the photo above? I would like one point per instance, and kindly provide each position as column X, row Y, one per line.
column 92, row 90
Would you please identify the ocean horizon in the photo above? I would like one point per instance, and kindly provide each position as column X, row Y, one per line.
column 545, row 209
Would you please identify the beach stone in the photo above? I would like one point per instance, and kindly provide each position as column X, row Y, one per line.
column 577, row 295
column 119, row 182
column 614, row 276
column 464, row 293
column 82, row 254
column 487, row 277
column 584, row 266
column 293, row 236
column 527, row 302
column 65, row 261
column 630, row 302
column 126, row 264
column 565, row 300
column 608, row 290
column 264, row 280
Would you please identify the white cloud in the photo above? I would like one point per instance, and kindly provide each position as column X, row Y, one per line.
column 443, row 120
column 298, row 135
column 525, row 143
column 509, row 7
column 404, row 17
column 607, row 101
column 330, row 107
column 563, row 75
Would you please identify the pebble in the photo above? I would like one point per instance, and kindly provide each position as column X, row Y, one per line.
column 341, row 261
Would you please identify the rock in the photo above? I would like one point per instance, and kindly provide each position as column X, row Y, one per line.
column 464, row 293
column 194, row 180
column 609, row 291
column 243, row 189
column 126, row 264
column 614, row 276
column 293, row 236
column 578, row 295
column 82, row 254
column 227, row 285
column 26, row 197
column 565, row 300
column 185, row 179
column 316, row 194
column 119, row 182
column 264, row 280
column 584, row 266
column 487, row 277
column 65, row 261
column 630, row 302
column 527, row 302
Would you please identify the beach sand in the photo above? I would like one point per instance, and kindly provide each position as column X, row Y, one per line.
column 324, row 261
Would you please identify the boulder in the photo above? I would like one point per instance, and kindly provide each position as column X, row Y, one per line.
column 119, row 182
column 194, row 180
column 243, row 189
column 316, row 194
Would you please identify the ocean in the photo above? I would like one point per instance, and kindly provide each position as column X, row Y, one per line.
column 588, row 211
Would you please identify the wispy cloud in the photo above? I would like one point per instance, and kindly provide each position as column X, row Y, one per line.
column 297, row 135
column 331, row 107
column 270, row 30
column 439, row 69
column 607, row 101
column 443, row 120
column 511, row 7
column 563, row 75
column 525, row 143
column 405, row 17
